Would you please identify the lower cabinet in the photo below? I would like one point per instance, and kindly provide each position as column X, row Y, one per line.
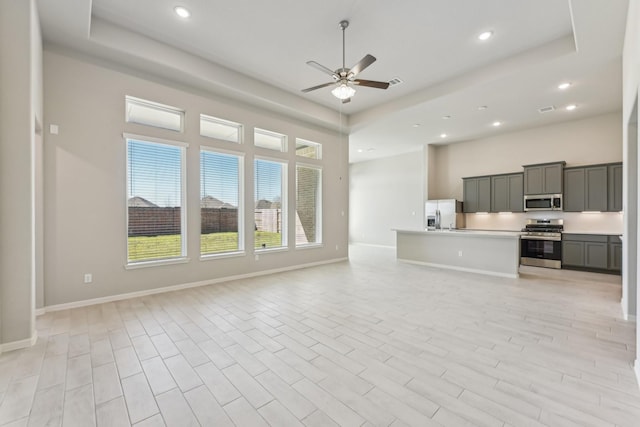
column 592, row 252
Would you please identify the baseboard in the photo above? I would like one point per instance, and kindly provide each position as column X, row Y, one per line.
column 637, row 369
column 372, row 245
column 137, row 294
column 17, row 345
column 466, row 270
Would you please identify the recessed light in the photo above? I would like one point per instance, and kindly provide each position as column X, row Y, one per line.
column 482, row 107
column 571, row 107
column 496, row 124
column 447, row 117
column 564, row 86
column 443, row 135
column 182, row 11
column 485, row 36
column 416, row 125
column 360, row 150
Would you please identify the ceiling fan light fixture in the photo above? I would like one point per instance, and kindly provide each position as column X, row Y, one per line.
column 343, row 91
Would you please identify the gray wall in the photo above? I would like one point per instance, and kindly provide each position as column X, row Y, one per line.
column 84, row 171
column 20, row 112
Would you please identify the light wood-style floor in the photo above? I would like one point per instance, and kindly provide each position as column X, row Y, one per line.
column 371, row 342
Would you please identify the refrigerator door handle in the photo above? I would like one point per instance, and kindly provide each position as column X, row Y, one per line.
column 438, row 219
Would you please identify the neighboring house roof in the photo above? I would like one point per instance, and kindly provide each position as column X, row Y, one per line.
column 140, row 202
column 212, row 202
column 263, row 204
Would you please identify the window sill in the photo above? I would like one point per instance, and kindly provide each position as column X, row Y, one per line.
column 210, row 257
column 145, row 264
column 310, row 246
column 269, row 250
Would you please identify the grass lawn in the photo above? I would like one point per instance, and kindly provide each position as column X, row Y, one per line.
column 159, row 247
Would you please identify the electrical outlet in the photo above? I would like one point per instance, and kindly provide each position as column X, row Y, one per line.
column 336, row 247
column 257, row 257
column 459, row 253
column 88, row 278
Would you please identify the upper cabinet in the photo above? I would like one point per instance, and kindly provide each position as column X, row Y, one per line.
column 593, row 188
column 476, row 194
column 507, row 193
column 615, row 187
column 543, row 178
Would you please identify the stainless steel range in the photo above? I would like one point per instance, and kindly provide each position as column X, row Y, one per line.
column 541, row 243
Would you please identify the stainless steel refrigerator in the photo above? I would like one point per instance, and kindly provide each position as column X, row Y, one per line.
column 443, row 214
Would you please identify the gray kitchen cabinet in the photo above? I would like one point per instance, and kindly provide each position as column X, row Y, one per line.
column 476, row 194
column 615, row 188
column 507, row 193
column 543, row 178
column 573, row 197
column 615, row 253
column 586, row 189
column 572, row 253
column 589, row 251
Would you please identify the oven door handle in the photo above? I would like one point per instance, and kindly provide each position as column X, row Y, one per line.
column 555, row 239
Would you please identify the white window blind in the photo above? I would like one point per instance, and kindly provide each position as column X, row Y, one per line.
column 220, row 202
column 151, row 113
column 311, row 150
column 270, row 204
column 155, row 201
column 270, row 140
column 308, row 205
column 224, row 130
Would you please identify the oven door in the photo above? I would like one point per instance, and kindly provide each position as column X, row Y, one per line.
column 540, row 252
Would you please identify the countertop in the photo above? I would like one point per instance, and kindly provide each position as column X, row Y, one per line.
column 464, row 232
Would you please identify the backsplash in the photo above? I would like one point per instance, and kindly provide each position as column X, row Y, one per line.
column 574, row 222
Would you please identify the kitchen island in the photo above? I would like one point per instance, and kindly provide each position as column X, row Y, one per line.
column 495, row 253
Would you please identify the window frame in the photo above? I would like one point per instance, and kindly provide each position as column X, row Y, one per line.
column 241, row 251
column 284, row 202
column 319, row 205
column 183, row 258
column 157, row 106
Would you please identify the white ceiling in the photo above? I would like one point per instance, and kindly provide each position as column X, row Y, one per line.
column 256, row 51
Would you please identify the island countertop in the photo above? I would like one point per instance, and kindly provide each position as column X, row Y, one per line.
column 465, row 232
column 479, row 251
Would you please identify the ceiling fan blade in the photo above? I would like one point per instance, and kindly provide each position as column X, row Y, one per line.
column 344, row 101
column 364, row 63
column 322, row 68
column 309, row 89
column 371, row 83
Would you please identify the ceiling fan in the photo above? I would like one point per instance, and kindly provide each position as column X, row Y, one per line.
column 345, row 78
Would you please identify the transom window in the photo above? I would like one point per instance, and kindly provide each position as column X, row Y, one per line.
column 270, row 140
column 224, row 130
column 311, row 150
column 151, row 113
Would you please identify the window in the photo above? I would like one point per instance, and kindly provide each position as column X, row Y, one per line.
column 270, row 140
column 153, row 114
column 155, row 200
column 311, row 150
column 220, row 202
column 308, row 205
column 270, row 179
column 224, row 130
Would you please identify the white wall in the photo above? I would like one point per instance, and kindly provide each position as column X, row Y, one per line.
column 630, row 86
column 20, row 106
column 385, row 194
column 85, row 191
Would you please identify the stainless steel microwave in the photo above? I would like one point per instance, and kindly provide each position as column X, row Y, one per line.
column 543, row 202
